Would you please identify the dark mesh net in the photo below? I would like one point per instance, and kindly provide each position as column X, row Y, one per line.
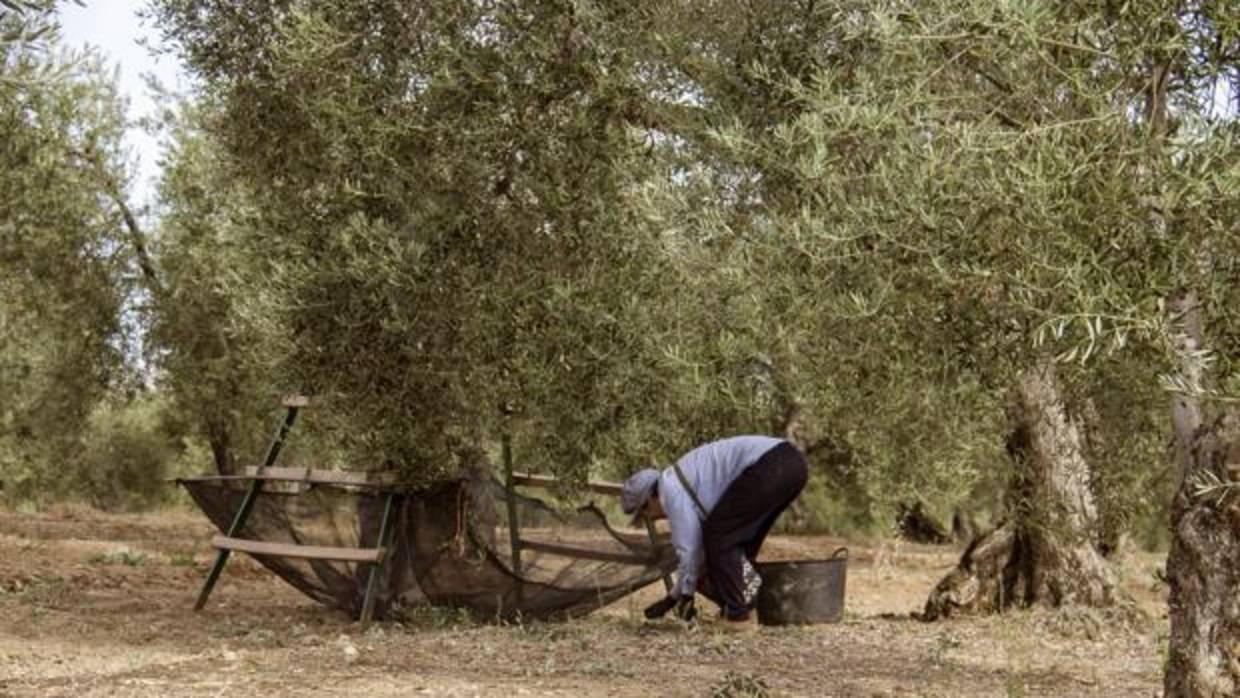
column 450, row 546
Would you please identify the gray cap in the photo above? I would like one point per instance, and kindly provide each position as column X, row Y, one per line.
column 637, row 489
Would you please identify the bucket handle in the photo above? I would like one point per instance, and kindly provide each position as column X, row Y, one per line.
column 840, row 553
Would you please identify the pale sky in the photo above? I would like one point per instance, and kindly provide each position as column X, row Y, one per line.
column 114, row 28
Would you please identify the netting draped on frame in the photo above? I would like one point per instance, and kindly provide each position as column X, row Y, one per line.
column 450, row 546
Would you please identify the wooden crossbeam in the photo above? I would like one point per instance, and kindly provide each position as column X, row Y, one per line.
column 600, row 486
column 312, row 552
column 583, row 553
column 320, row 476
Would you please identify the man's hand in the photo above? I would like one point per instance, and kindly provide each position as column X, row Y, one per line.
column 659, row 608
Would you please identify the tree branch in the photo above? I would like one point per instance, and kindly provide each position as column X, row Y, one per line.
column 137, row 238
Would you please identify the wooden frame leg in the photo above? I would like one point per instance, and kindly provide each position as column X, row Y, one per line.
column 368, row 605
column 221, row 556
column 247, row 505
column 510, row 493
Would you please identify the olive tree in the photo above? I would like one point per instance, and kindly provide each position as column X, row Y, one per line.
column 444, row 244
column 1041, row 178
column 207, row 359
column 64, row 259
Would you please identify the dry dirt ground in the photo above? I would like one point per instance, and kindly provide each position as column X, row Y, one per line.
column 95, row 604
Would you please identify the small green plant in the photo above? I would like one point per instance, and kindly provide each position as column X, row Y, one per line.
column 740, row 685
column 1163, row 641
column 1014, row 686
column 124, row 556
column 944, row 643
column 181, row 558
column 436, row 617
column 35, row 589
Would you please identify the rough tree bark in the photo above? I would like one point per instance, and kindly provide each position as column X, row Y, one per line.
column 915, row 524
column 1046, row 552
column 1203, row 565
column 219, row 438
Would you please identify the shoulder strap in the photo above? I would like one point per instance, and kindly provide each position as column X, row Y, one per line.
column 684, row 482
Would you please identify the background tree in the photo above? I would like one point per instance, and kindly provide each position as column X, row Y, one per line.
column 1192, row 185
column 65, row 258
column 210, row 362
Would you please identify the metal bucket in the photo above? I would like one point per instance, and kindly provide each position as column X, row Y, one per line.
column 801, row 592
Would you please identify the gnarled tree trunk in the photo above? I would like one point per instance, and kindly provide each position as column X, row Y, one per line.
column 219, row 438
column 1203, row 566
column 1047, row 552
column 1203, row 570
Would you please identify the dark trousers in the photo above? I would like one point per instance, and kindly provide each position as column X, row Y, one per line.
column 737, row 526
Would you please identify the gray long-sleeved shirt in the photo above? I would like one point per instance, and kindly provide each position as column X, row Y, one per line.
column 710, row 469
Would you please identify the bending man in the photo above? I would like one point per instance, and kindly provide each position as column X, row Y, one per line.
column 720, row 500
